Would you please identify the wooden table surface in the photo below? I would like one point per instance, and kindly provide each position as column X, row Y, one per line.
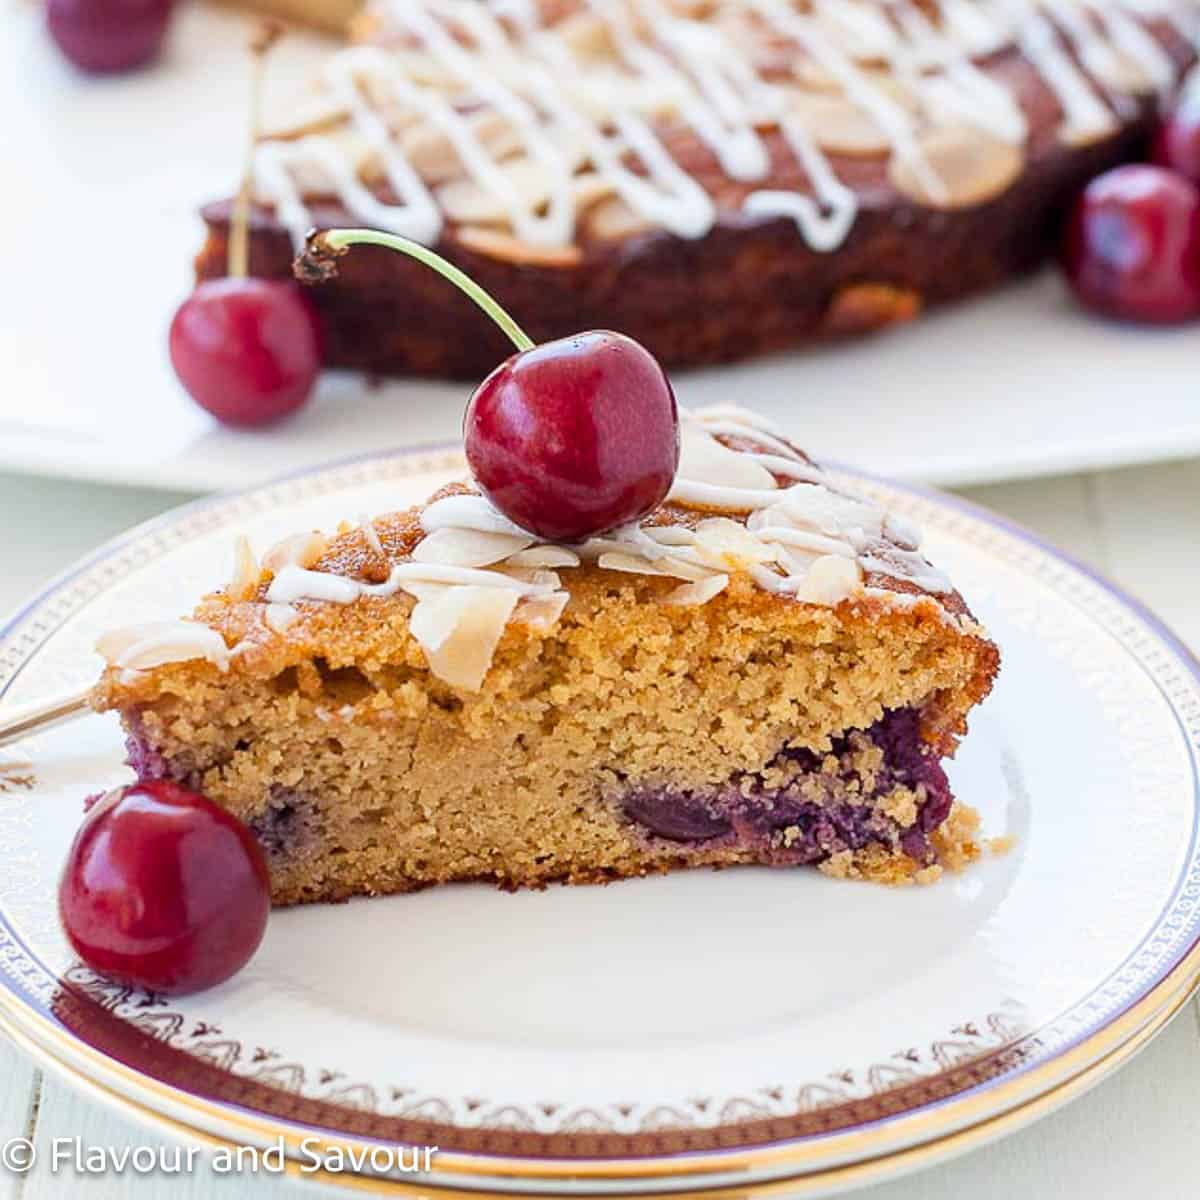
column 1135, row 1135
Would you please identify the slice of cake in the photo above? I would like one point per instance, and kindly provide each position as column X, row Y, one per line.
column 763, row 670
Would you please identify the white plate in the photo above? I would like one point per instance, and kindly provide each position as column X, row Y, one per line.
column 679, row 1032
column 101, row 226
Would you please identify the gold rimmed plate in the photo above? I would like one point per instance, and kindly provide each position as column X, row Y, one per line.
column 685, row 1033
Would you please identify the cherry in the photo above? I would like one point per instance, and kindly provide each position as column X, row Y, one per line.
column 164, row 890
column 248, row 350
column 1132, row 247
column 568, row 439
column 103, row 36
column 1177, row 142
column 574, row 437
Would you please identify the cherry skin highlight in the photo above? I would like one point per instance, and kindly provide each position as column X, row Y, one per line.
column 574, row 437
column 1132, row 247
column 1177, row 142
column 107, row 36
column 247, row 350
column 164, row 890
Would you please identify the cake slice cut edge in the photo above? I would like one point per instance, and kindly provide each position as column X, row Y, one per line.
column 386, row 717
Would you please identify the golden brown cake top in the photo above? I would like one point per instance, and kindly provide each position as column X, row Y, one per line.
column 746, row 506
column 529, row 127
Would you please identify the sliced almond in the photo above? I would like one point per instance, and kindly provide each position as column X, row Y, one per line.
column 728, row 544
column 612, row 220
column 829, row 580
column 245, row 570
column 970, row 165
column 841, row 127
column 589, row 188
column 467, row 547
column 139, row 648
column 432, row 155
column 505, row 248
column 543, row 580
column 703, row 459
column 371, row 536
column 541, row 612
column 633, row 564
column 299, row 550
column 689, row 595
column 543, row 556
column 467, row 512
column 586, row 34
column 111, row 645
column 279, row 617
column 459, row 632
column 471, row 203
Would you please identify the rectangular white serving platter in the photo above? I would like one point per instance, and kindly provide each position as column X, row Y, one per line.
column 101, row 222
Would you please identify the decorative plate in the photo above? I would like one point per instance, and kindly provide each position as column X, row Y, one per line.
column 679, row 1033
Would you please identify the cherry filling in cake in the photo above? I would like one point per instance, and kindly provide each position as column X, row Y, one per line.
column 880, row 786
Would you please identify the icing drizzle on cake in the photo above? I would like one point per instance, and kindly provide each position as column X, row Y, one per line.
column 744, row 501
column 492, row 115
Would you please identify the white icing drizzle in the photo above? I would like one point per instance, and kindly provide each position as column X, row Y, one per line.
column 578, row 124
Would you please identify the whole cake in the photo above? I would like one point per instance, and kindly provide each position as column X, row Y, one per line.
column 715, row 178
column 763, row 669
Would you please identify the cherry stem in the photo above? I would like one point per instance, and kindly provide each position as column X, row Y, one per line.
column 238, row 258
column 340, row 239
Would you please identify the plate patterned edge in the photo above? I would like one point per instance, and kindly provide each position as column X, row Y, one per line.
column 972, row 1056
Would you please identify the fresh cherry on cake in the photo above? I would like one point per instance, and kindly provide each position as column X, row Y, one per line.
column 247, row 350
column 568, row 439
column 1177, row 142
column 164, row 890
column 574, row 437
column 1132, row 246
column 105, row 36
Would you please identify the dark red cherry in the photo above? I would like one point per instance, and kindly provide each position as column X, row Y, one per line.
column 1132, row 246
column 164, row 890
column 248, row 350
column 102, row 36
column 1177, row 142
column 574, row 437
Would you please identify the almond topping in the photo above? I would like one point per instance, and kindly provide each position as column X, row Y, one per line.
column 299, row 550
column 491, row 243
column 541, row 612
column 460, row 630
column 468, row 547
column 830, row 579
column 702, row 457
column 728, row 544
column 140, row 647
column 841, row 127
column 971, row 165
column 245, row 571
column 471, row 203
column 688, row 595
column 613, row 220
